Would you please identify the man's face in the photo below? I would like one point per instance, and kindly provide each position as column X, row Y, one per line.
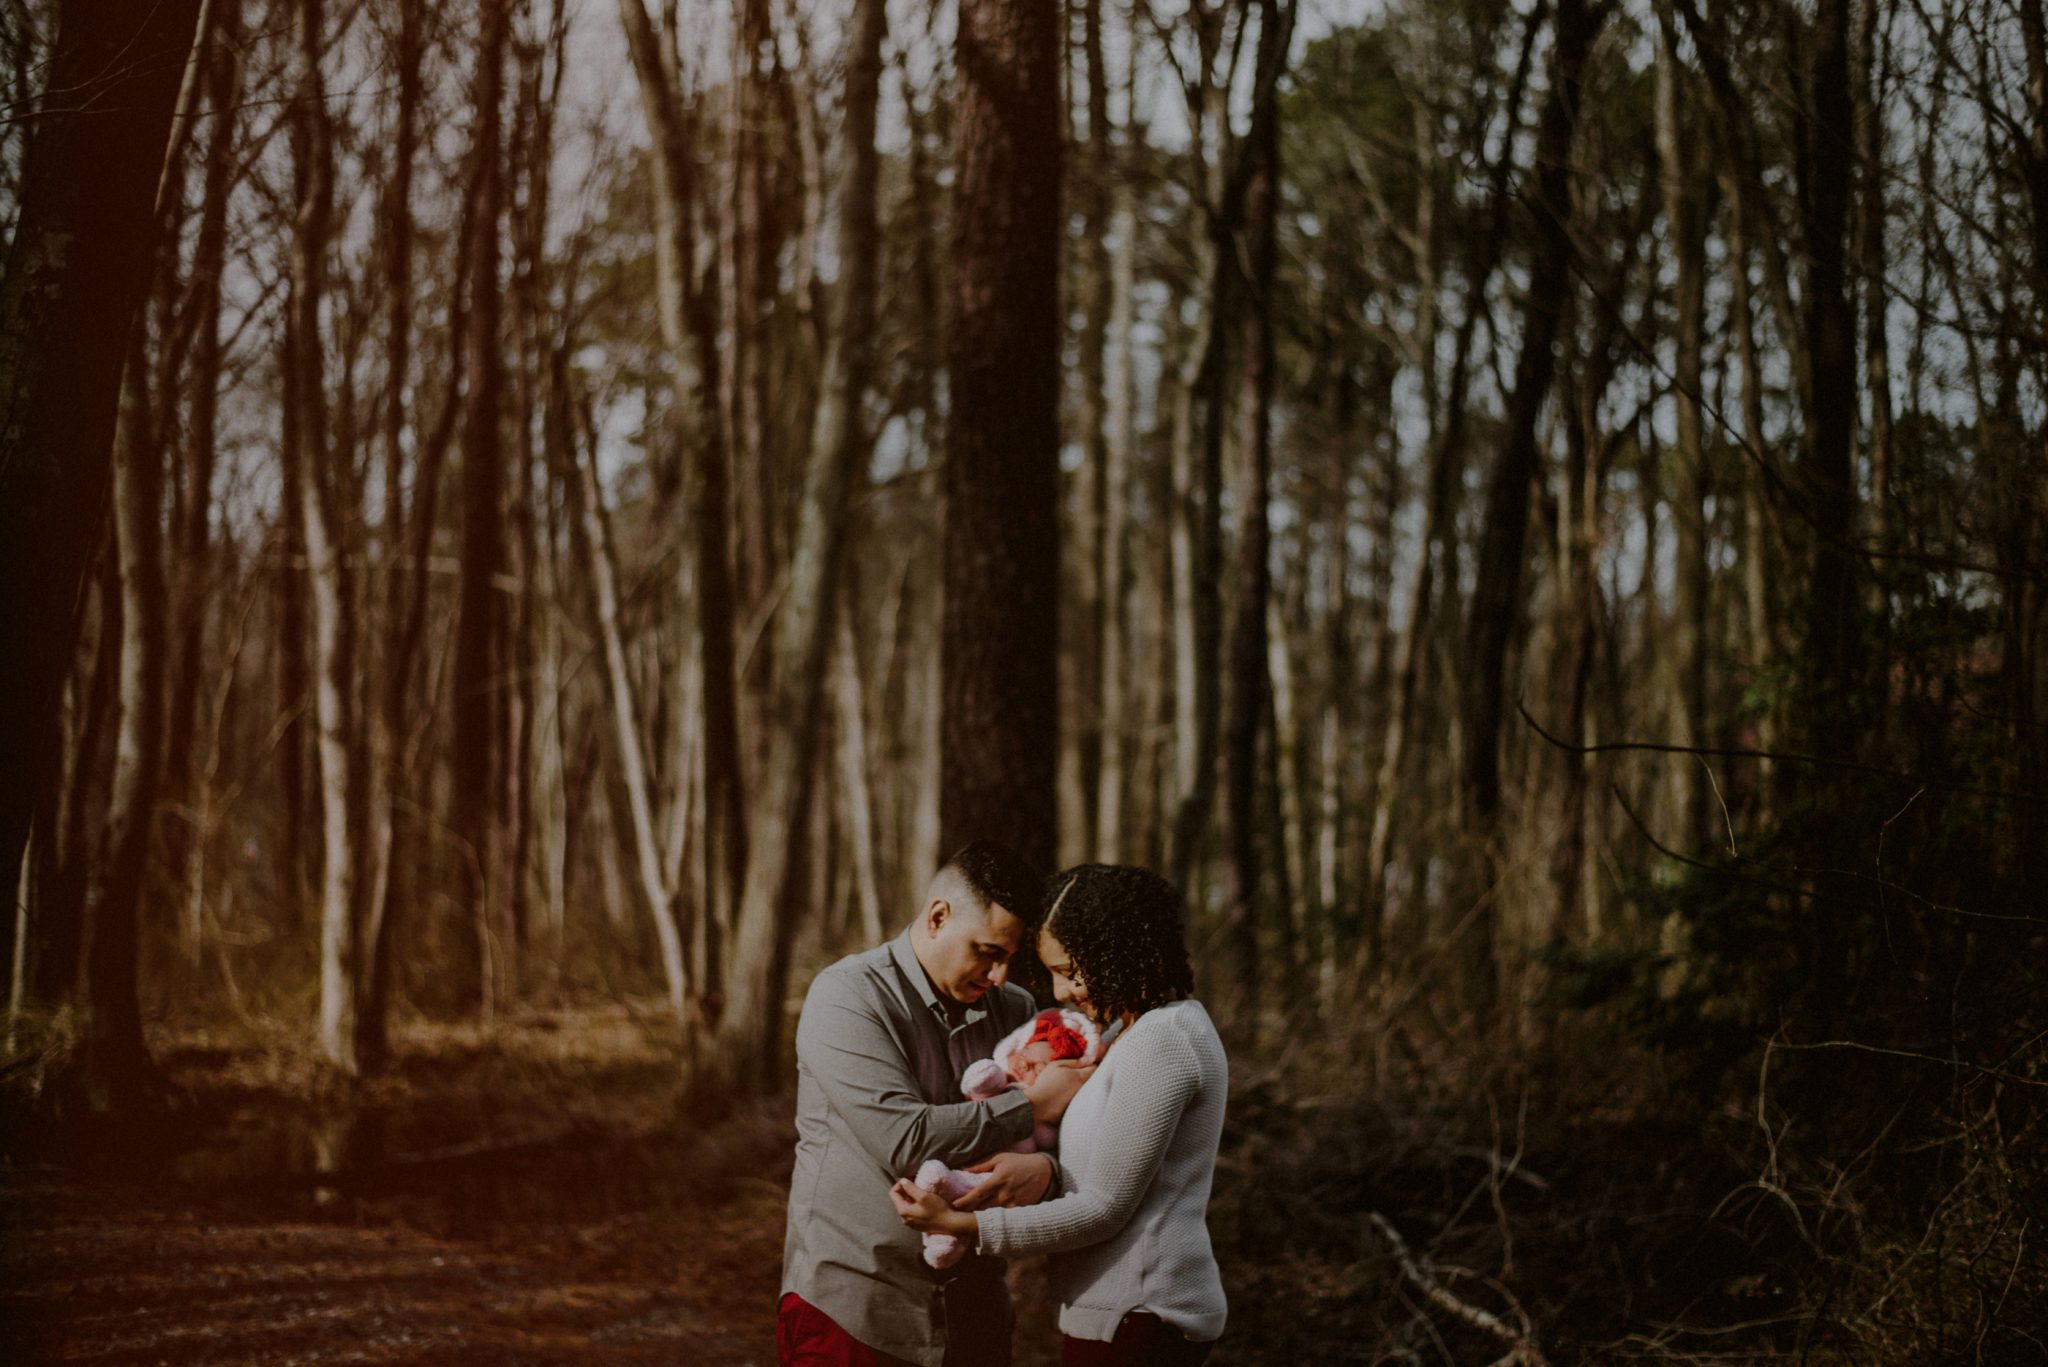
column 970, row 948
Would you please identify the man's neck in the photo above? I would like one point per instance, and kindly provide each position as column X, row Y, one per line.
column 955, row 1011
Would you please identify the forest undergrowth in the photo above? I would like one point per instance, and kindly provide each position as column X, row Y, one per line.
column 1417, row 1192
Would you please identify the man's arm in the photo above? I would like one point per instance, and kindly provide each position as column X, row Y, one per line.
column 848, row 1050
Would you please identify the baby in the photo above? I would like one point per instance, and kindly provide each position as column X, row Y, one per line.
column 1051, row 1039
column 1019, row 1058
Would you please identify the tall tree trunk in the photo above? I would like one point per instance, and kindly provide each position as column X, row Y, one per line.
column 405, row 596
column 1084, row 738
column 114, row 1062
column 853, row 775
column 331, row 591
column 600, row 558
column 194, row 515
column 999, row 636
column 1195, row 541
column 689, row 319
column 479, row 703
column 1445, row 464
column 1497, row 595
column 2028, row 605
column 1758, row 546
column 1872, row 60
column 1118, row 453
column 1251, row 572
column 1686, row 218
column 1832, row 712
column 77, row 269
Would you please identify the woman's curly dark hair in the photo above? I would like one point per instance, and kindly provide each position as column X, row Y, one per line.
column 1122, row 926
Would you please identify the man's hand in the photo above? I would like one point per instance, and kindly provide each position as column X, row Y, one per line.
column 1054, row 1087
column 1017, row 1179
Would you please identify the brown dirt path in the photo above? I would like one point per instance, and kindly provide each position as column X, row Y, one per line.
column 111, row 1275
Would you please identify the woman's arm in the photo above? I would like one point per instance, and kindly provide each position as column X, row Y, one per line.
column 1154, row 1085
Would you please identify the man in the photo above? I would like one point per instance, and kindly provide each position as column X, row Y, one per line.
column 881, row 1044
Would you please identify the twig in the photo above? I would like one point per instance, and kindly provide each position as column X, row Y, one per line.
column 1522, row 1348
column 1998, row 1073
column 1788, row 756
column 1804, row 893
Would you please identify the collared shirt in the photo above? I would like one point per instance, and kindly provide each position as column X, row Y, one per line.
column 879, row 1059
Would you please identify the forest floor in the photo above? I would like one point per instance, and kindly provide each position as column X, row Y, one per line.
column 535, row 1194
column 530, row 1196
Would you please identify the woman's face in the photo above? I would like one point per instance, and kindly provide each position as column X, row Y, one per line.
column 1067, row 988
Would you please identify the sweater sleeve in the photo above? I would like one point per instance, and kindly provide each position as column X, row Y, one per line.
column 1154, row 1083
column 843, row 1043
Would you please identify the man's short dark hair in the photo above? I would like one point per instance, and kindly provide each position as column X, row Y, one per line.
column 999, row 876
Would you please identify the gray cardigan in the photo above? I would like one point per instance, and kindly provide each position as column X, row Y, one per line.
column 1137, row 1157
column 877, row 1093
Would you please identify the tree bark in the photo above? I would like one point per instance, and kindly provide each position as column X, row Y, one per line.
column 1251, row 571
column 1445, row 463
column 1685, row 217
column 194, row 514
column 77, row 269
column 1832, row 712
column 600, row 558
column 690, row 320
column 999, row 635
column 114, row 1062
column 1496, row 604
column 479, row 704
column 1118, row 454
column 339, row 793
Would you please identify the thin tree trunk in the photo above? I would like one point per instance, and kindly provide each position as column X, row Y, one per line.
column 328, row 578
column 1872, row 65
column 688, row 319
column 1196, row 538
column 1083, row 742
column 596, row 550
column 405, row 598
column 1445, row 466
column 193, row 532
column 1687, row 220
column 773, row 903
column 1119, row 452
column 853, row 776
column 114, row 1060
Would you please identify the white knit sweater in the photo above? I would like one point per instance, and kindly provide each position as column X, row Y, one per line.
column 1137, row 1156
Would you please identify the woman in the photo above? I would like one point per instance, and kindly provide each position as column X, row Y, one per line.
column 1132, row 1265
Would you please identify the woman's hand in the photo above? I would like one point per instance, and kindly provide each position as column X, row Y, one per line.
column 928, row 1213
column 1017, row 1179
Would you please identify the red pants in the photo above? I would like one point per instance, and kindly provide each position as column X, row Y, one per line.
column 1142, row 1340
column 806, row 1336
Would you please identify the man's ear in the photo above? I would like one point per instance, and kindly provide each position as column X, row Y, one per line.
column 936, row 914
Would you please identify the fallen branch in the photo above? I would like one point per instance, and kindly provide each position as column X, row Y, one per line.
column 1522, row 1348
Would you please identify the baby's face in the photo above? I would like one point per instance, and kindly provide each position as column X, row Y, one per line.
column 1030, row 1061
